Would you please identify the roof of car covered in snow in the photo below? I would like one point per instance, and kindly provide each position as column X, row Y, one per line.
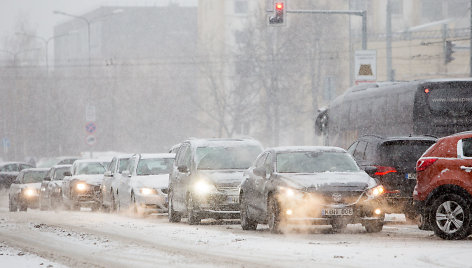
column 223, row 142
column 306, row 149
column 152, row 156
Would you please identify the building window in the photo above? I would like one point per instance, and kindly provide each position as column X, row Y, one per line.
column 431, row 9
column 240, row 7
column 396, row 6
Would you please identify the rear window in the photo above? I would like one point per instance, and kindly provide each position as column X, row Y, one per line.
column 451, row 99
column 401, row 153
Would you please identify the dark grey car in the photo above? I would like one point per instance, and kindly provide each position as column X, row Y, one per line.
column 310, row 185
column 205, row 179
column 9, row 171
column 50, row 196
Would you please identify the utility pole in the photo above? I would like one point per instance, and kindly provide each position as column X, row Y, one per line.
column 389, row 41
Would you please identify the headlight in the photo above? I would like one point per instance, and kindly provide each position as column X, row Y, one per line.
column 57, row 190
column 203, row 187
column 81, row 186
column 376, row 191
column 290, row 193
column 147, row 191
column 43, row 189
column 29, row 192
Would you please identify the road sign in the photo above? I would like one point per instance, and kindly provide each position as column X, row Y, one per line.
column 6, row 144
column 90, row 127
column 365, row 65
column 91, row 140
column 90, row 113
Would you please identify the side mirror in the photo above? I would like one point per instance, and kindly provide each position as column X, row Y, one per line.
column 47, row 179
column 108, row 173
column 183, row 169
column 260, row 171
column 67, row 174
column 370, row 170
column 126, row 173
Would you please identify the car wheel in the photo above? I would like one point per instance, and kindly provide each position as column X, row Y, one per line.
column 23, row 207
column 113, row 202
column 374, row 226
column 246, row 222
column 193, row 217
column 42, row 206
column 12, row 206
column 450, row 217
column 173, row 215
column 273, row 210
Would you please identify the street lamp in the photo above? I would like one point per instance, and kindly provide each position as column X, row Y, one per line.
column 88, row 30
column 46, row 43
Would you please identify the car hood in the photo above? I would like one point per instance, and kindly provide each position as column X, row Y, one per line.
column 35, row 185
column 151, row 181
column 95, row 179
column 223, row 177
column 329, row 181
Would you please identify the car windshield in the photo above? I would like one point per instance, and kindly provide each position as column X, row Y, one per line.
column 34, row 176
column 59, row 173
column 312, row 162
column 154, row 166
column 237, row 157
column 123, row 165
column 91, row 168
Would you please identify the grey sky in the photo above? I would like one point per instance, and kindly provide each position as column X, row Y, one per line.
column 41, row 17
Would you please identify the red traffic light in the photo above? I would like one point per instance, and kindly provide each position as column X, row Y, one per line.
column 279, row 6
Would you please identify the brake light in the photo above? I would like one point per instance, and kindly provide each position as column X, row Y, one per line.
column 381, row 170
column 423, row 164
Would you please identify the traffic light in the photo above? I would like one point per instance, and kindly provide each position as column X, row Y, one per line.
column 448, row 51
column 279, row 15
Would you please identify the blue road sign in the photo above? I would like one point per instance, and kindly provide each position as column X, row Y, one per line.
column 90, row 127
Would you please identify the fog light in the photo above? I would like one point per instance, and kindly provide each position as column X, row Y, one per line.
column 289, row 212
column 378, row 211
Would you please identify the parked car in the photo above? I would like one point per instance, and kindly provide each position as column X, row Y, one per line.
column 81, row 186
column 50, row 195
column 205, row 178
column 53, row 161
column 392, row 161
column 175, row 148
column 24, row 191
column 316, row 185
column 111, row 180
column 443, row 191
column 143, row 186
column 9, row 171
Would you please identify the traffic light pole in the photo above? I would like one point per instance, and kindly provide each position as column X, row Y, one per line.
column 362, row 13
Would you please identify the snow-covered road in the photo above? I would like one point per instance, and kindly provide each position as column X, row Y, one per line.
column 86, row 239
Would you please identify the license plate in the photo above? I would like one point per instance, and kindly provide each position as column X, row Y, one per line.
column 410, row 176
column 233, row 199
column 337, row 212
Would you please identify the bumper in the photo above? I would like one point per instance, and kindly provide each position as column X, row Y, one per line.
column 154, row 203
column 218, row 206
column 30, row 201
column 308, row 213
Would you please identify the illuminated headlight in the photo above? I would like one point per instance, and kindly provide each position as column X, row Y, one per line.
column 43, row 189
column 29, row 192
column 81, row 186
column 290, row 193
column 376, row 191
column 203, row 188
column 57, row 190
column 147, row 191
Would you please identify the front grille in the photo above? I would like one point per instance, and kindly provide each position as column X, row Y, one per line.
column 228, row 189
column 336, row 198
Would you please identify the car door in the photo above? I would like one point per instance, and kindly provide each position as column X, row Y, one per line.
column 46, row 184
column 124, row 189
column 253, row 197
column 181, row 178
column 359, row 153
column 464, row 164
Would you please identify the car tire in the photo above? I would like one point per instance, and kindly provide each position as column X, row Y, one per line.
column 374, row 226
column 113, row 202
column 42, row 206
column 450, row 217
column 273, row 211
column 136, row 210
column 173, row 215
column 246, row 222
column 12, row 207
column 192, row 217
column 23, row 207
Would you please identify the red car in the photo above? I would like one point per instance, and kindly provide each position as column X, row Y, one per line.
column 443, row 191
